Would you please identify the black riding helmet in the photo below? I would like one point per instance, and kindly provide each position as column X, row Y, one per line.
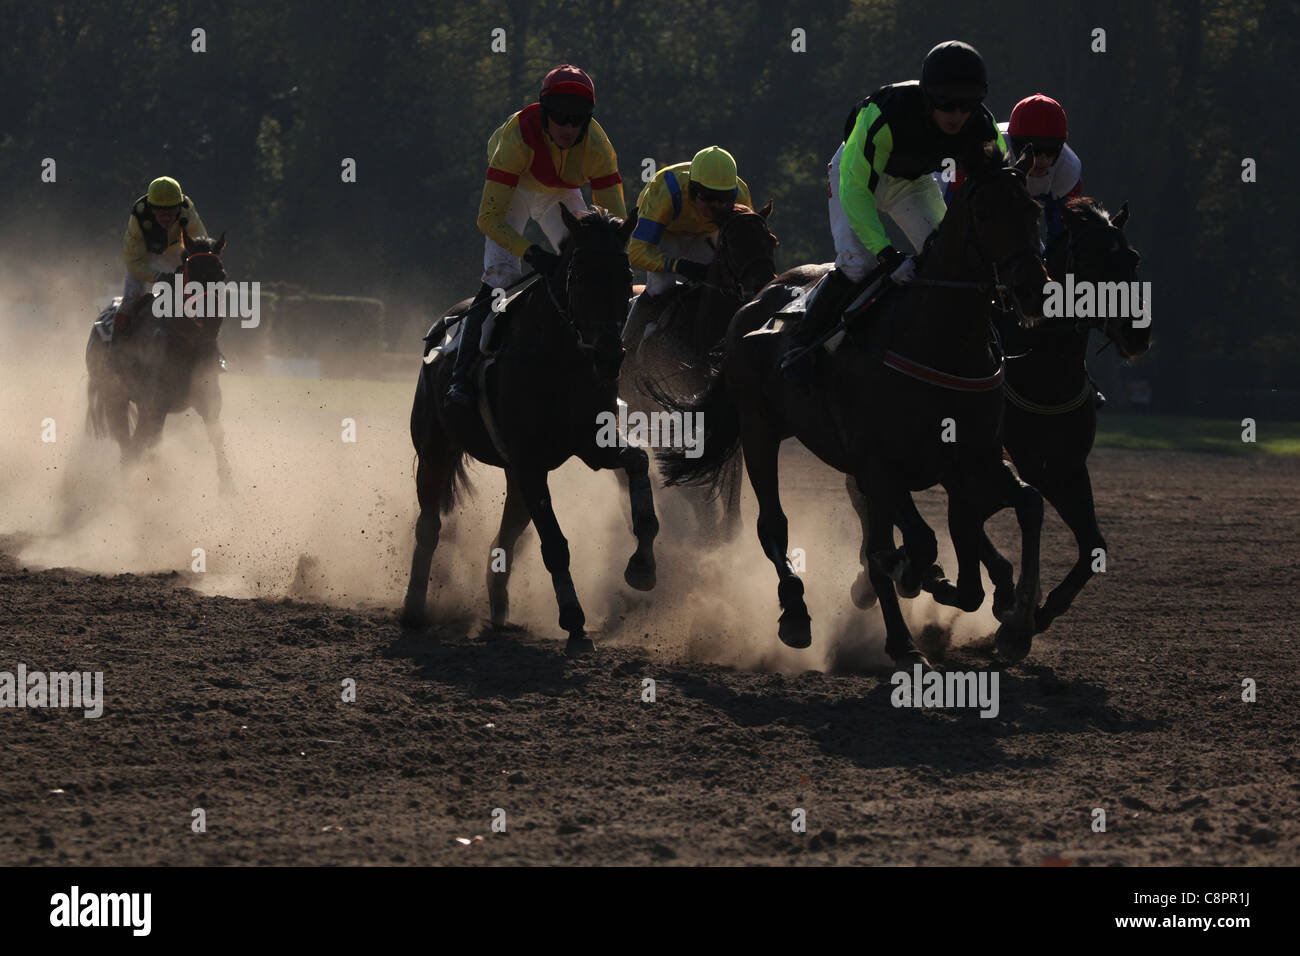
column 954, row 71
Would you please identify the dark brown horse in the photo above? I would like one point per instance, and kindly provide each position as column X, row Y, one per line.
column 555, row 374
column 1051, row 420
column 672, row 349
column 163, row 365
column 911, row 398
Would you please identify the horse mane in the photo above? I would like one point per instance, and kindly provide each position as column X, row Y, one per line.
column 1088, row 210
column 982, row 159
column 201, row 244
column 594, row 216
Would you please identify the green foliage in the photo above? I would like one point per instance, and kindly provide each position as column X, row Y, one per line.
column 256, row 127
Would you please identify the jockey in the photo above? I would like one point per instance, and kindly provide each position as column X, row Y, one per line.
column 678, row 212
column 539, row 158
column 1055, row 178
column 152, row 243
column 893, row 140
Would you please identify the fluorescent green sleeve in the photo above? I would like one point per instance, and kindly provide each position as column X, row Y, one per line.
column 859, row 177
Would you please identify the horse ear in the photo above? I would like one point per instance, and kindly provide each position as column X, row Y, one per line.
column 766, row 210
column 1121, row 217
column 570, row 220
column 629, row 224
column 1026, row 159
column 221, row 244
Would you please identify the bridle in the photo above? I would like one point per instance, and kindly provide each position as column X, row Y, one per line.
column 1005, row 292
column 571, row 277
column 185, row 281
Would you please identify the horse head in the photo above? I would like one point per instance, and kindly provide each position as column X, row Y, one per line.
column 201, row 263
column 597, row 282
column 994, row 223
column 1096, row 248
column 745, row 257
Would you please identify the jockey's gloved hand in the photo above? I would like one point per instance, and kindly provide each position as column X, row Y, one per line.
column 694, row 271
column 902, row 267
column 542, row 261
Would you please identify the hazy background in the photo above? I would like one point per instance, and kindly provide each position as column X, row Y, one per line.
column 256, row 129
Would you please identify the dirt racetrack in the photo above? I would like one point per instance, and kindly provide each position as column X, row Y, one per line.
column 221, row 693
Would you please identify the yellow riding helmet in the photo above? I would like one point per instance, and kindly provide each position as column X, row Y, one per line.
column 165, row 191
column 714, row 168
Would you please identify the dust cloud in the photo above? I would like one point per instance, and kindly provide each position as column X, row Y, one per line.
column 319, row 518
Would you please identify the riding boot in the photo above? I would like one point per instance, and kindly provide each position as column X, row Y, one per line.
column 461, row 390
column 820, row 316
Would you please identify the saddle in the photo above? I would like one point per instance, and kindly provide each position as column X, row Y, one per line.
column 443, row 337
column 104, row 323
column 443, row 340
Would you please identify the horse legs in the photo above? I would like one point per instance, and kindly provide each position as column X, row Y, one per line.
column 555, row 555
column 761, row 448
column 1001, row 573
column 635, row 465
column 640, row 571
column 431, row 477
column 1072, row 499
column 965, row 523
column 148, row 429
column 1018, row 626
column 862, row 593
column 207, row 402
column 880, row 497
column 514, row 519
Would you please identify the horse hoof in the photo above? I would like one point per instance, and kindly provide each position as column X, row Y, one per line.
column 1013, row 642
column 909, row 658
column 640, row 574
column 862, row 593
column 414, row 619
column 1004, row 604
column 578, row 646
column 795, row 632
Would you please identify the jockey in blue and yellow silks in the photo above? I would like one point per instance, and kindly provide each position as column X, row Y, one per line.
column 678, row 212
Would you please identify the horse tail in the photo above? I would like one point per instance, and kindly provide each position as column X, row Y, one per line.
column 717, row 465
column 96, row 408
column 458, row 485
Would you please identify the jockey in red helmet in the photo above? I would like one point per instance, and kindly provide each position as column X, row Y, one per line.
column 1057, row 176
column 539, row 158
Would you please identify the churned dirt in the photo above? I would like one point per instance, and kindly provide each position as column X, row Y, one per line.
column 223, row 688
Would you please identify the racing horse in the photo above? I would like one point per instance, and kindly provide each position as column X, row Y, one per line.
column 911, row 398
column 163, row 365
column 1051, row 418
column 554, row 375
column 672, row 351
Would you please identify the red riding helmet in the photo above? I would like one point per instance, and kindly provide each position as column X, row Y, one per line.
column 568, row 80
column 1038, row 117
